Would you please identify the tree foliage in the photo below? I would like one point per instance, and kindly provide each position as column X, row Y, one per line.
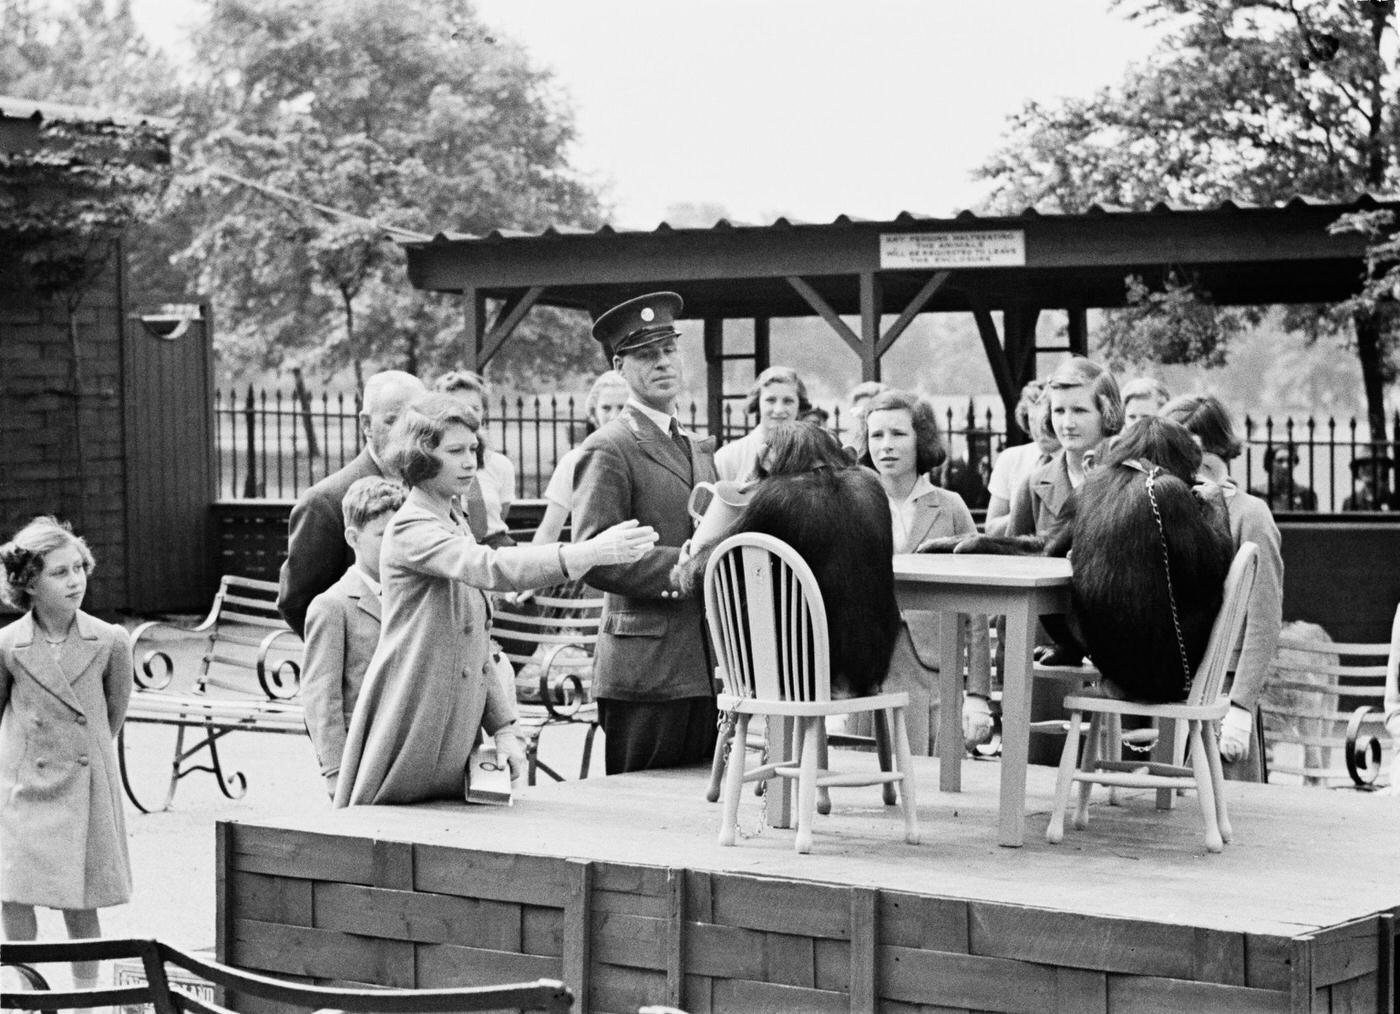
column 409, row 115
column 1254, row 101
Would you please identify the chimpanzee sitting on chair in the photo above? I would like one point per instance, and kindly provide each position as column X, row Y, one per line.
column 1134, row 513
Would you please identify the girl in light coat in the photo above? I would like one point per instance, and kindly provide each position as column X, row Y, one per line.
column 65, row 681
column 430, row 688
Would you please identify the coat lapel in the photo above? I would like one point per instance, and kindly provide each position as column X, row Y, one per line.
column 926, row 512
column 366, row 600
column 659, row 446
column 1053, row 487
column 34, row 657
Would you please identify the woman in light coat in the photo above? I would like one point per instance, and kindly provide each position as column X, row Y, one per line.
column 1208, row 421
column 65, row 682
column 430, row 687
column 902, row 445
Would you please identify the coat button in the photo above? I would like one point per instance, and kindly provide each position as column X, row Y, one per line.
column 82, row 719
column 83, row 760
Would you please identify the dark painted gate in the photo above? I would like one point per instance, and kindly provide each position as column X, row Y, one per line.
column 168, row 392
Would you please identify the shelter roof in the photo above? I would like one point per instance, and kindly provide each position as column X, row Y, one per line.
column 1240, row 253
column 13, row 108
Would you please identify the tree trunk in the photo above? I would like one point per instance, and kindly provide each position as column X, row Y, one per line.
column 355, row 358
column 1370, row 328
column 313, row 449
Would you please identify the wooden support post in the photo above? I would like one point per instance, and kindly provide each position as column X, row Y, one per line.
column 1078, row 330
column 865, row 933
column 762, row 358
column 1019, row 342
column 823, row 308
column 577, row 919
column 474, row 304
column 509, row 318
column 996, row 356
column 675, row 935
column 906, row 317
column 871, row 306
column 714, row 374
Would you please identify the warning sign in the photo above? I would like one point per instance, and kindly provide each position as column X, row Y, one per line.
column 1003, row 248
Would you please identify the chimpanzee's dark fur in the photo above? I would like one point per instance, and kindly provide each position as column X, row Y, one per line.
column 1119, row 593
column 839, row 523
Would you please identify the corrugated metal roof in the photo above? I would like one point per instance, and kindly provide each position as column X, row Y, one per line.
column 14, row 108
column 1360, row 202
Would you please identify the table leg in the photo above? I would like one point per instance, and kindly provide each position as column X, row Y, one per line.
column 1016, row 723
column 950, row 691
column 777, row 802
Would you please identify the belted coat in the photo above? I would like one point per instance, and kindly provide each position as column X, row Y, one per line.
column 650, row 648
column 62, row 831
column 430, row 687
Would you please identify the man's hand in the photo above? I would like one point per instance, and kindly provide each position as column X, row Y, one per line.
column 1235, row 730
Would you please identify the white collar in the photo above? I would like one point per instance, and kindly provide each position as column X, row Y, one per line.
column 662, row 419
column 370, row 583
column 921, row 486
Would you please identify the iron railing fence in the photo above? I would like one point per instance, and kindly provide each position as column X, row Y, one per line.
column 276, row 444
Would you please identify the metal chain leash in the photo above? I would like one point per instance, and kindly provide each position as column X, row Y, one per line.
column 1167, row 566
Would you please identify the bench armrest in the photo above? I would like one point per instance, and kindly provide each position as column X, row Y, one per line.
column 1363, row 753
column 564, row 694
column 282, row 682
column 145, row 661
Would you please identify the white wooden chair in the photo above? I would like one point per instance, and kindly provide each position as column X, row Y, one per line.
column 768, row 626
column 1205, row 705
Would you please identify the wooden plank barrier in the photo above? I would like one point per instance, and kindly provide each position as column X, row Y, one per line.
column 341, row 908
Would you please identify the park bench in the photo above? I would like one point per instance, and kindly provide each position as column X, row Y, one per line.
column 236, row 989
column 550, row 643
column 1321, row 698
column 249, row 678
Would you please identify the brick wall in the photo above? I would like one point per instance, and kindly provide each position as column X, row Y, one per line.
column 38, row 451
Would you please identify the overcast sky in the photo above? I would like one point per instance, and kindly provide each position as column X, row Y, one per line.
column 810, row 108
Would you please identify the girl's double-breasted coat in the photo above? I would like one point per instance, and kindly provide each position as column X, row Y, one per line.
column 62, row 832
column 430, row 688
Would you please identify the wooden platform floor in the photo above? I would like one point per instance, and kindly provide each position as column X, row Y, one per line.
column 1302, row 859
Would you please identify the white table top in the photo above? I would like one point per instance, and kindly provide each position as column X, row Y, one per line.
column 979, row 569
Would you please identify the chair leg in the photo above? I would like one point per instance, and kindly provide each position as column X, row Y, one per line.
column 588, row 749
column 1200, row 767
column 823, row 764
column 882, row 751
column 734, row 784
column 1112, row 749
column 1217, row 779
column 806, row 783
column 722, row 747
column 893, row 720
column 1069, row 759
column 1088, row 765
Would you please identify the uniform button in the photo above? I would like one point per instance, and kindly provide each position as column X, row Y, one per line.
column 83, row 760
column 82, row 719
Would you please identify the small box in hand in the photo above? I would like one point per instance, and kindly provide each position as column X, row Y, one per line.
column 488, row 778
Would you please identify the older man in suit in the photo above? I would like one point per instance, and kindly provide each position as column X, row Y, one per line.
column 317, row 554
column 653, row 677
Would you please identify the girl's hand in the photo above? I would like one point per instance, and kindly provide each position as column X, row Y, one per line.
column 509, row 747
column 625, row 542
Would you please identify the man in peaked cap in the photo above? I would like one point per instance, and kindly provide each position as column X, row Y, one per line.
column 653, row 677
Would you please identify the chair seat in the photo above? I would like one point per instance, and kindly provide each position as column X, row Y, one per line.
column 809, row 709
column 1214, row 711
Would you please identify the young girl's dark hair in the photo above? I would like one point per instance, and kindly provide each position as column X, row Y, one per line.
column 928, row 446
column 418, row 432
column 23, row 556
column 1207, row 417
